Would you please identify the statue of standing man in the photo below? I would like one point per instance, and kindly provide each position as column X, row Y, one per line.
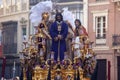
column 58, row 32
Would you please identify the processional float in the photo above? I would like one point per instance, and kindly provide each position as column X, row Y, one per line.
column 35, row 66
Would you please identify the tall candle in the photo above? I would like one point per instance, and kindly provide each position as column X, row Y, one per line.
column 14, row 66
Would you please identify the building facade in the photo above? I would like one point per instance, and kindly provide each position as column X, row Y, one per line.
column 14, row 25
column 103, row 29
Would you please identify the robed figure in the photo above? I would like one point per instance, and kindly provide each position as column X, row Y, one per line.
column 58, row 32
column 42, row 35
column 80, row 30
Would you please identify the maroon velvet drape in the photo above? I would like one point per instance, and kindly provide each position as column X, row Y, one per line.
column 3, row 66
column 109, row 65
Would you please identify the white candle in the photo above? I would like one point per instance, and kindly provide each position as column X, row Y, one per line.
column 14, row 65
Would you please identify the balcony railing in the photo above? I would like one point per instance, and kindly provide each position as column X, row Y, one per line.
column 34, row 2
column 68, row 0
column 116, row 40
column 1, row 11
column 116, row 0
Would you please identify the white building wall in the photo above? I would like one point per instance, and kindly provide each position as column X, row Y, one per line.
column 16, row 16
column 85, row 14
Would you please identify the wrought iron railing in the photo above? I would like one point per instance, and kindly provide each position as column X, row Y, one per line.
column 116, row 40
column 115, row 0
column 34, row 2
column 68, row 0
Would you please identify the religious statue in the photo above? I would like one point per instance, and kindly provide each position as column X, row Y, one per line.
column 42, row 35
column 80, row 30
column 58, row 32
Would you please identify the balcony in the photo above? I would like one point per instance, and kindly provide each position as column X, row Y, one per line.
column 116, row 0
column 61, row 1
column 34, row 2
column 1, row 11
column 116, row 41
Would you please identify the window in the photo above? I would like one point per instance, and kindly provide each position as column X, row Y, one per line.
column 78, row 14
column 9, row 37
column 100, row 24
column 67, row 0
column 33, row 2
column 100, row 27
column 8, row 2
column 1, row 4
column 24, row 30
column 100, row 0
column 7, row 10
column 1, row 7
column 24, row 33
column 15, row 4
column 17, row 8
column 24, row 1
column 12, row 6
column 24, row 5
column 8, row 6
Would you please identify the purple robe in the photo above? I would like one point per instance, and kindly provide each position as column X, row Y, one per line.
column 54, row 33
